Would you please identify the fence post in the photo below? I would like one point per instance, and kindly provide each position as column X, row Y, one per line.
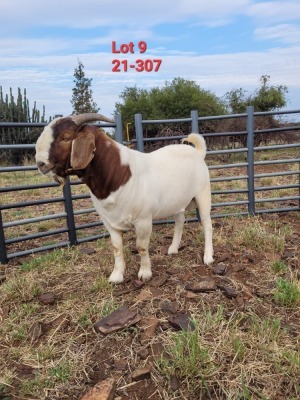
column 3, row 254
column 250, row 159
column 139, row 132
column 195, row 122
column 70, row 212
column 119, row 129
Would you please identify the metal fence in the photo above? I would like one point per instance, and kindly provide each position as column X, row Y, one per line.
column 248, row 184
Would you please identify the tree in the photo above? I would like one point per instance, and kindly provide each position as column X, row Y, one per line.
column 175, row 100
column 266, row 98
column 18, row 110
column 82, row 98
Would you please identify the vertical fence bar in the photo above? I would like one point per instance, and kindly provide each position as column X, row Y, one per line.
column 195, row 129
column 3, row 253
column 195, row 122
column 139, row 132
column 118, row 129
column 70, row 212
column 250, row 159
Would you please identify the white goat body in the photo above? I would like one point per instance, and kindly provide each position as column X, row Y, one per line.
column 130, row 189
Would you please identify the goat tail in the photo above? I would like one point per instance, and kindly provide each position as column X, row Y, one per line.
column 198, row 141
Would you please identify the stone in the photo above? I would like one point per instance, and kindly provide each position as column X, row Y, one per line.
column 87, row 250
column 229, row 291
column 120, row 365
column 37, row 330
column 158, row 281
column 174, row 383
column 138, row 284
column 148, row 326
column 143, row 353
column 169, row 306
column 4, row 312
column 117, row 320
column 47, row 298
column 141, row 373
column 182, row 321
column 104, row 390
column 205, row 285
column 156, row 292
column 219, row 269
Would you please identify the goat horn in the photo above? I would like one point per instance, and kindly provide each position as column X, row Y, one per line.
column 89, row 117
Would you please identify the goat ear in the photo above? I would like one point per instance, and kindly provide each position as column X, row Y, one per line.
column 83, row 148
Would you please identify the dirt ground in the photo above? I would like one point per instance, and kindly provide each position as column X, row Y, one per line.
column 243, row 284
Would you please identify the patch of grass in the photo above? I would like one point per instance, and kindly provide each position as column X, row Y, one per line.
column 256, row 235
column 279, row 267
column 101, row 284
column 287, row 293
column 61, row 372
column 21, row 287
column 188, row 359
column 34, row 387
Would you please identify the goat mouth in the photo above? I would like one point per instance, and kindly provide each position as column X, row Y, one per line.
column 59, row 179
column 50, row 172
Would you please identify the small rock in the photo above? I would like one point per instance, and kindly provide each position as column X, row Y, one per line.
column 158, row 281
column 164, row 250
column 169, row 306
column 174, row 383
column 47, row 298
column 182, row 321
column 117, row 320
column 156, row 292
column 173, row 271
column 120, row 365
column 24, row 370
column 143, row 353
column 120, row 292
column 288, row 254
column 138, row 284
column 219, row 269
column 206, row 285
column 36, row 331
column 4, row 312
column 141, row 373
column 104, row 390
column 148, row 326
column 229, row 291
column 191, row 295
column 144, row 295
column 87, row 250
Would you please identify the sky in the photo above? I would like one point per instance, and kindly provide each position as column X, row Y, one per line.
column 221, row 45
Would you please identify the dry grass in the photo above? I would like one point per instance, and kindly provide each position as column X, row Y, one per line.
column 247, row 348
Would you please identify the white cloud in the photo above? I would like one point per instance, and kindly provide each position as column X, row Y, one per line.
column 49, row 80
column 111, row 13
column 284, row 33
column 274, row 11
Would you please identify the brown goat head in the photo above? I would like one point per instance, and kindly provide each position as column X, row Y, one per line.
column 65, row 146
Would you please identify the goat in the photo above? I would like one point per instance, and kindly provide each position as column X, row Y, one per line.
column 130, row 189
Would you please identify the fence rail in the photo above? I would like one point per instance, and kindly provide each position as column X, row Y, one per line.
column 248, row 177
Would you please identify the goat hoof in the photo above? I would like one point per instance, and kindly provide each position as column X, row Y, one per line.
column 116, row 277
column 208, row 260
column 144, row 275
column 172, row 250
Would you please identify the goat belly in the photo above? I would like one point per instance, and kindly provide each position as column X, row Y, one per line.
column 113, row 214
